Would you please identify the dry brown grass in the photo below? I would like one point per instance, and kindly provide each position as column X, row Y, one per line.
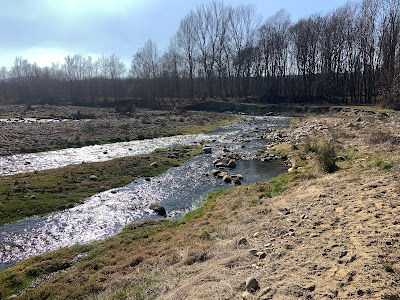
column 378, row 137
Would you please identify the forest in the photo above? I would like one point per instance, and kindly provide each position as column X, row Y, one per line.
column 348, row 56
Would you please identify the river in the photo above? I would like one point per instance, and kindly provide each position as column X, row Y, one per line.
column 179, row 190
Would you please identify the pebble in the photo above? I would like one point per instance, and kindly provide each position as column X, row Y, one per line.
column 253, row 251
column 94, row 178
column 154, row 164
column 242, row 241
column 261, row 254
column 264, row 291
column 252, row 285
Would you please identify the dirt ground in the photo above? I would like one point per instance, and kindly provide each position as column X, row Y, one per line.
column 27, row 130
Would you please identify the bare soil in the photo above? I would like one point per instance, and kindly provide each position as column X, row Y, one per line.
column 78, row 126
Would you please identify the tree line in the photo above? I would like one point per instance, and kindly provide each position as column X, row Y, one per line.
column 350, row 55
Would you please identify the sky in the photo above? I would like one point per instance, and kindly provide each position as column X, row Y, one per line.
column 46, row 31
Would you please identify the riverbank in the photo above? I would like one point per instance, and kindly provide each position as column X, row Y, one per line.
column 43, row 127
column 306, row 234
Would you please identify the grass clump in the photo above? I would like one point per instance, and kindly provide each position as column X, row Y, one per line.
column 326, row 156
column 383, row 163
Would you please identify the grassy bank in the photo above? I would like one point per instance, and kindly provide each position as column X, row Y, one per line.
column 43, row 192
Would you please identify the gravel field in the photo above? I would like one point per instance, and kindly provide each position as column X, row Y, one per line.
column 53, row 127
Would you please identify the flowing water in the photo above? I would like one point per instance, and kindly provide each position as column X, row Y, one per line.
column 179, row 190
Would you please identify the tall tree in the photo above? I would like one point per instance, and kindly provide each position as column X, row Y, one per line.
column 186, row 37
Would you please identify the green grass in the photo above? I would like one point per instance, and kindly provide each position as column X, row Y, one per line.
column 383, row 163
column 43, row 192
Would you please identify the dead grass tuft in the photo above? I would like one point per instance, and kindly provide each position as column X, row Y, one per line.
column 379, row 137
column 195, row 256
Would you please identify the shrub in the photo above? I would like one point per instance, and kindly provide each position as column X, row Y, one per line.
column 326, row 156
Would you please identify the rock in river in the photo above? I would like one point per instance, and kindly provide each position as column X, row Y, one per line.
column 158, row 209
column 227, row 178
column 215, row 172
column 206, row 150
column 231, row 164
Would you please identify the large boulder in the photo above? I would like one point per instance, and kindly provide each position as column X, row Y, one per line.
column 158, row 209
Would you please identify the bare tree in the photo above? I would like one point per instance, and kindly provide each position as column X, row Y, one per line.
column 244, row 23
column 171, row 70
column 273, row 42
column 117, row 71
column 305, row 39
column 145, row 66
column 389, row 46
column 186, row 37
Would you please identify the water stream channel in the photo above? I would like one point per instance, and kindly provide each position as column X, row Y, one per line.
column 179, row 190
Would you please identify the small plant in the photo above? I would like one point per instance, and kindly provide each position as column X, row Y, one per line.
column 384, row 164
column 326, row 156
column 310, row 145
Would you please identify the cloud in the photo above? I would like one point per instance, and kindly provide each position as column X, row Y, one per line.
column 103, row 26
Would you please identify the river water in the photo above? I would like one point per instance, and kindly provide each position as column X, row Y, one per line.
column 179, row 190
